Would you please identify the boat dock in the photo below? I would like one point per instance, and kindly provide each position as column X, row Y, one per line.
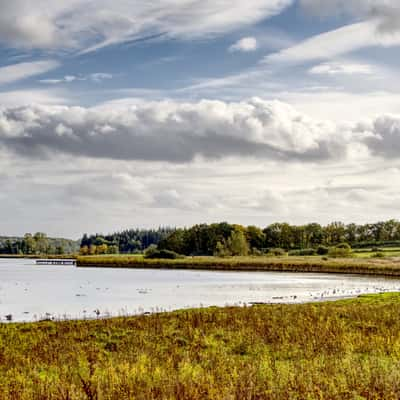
column 55, row 262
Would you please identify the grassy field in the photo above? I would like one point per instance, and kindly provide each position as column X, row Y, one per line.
column 384, row 252
column 355, row 265
column 342, row 350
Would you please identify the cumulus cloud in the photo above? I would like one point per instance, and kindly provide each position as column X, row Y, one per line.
column 172, row 131
column 179, row 132
column 17, row 72
column 385, row 136
column 245, row 44
column 89, row 25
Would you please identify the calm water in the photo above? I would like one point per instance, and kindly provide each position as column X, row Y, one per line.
column 31, row 292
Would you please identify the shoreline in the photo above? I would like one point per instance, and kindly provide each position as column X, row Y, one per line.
column 236, row 305
column 371, row 267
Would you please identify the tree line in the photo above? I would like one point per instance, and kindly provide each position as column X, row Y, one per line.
column 230, row 239
column 128, row 241
column 38, row 243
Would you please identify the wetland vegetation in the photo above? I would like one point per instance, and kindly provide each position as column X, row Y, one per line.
column 341, row 350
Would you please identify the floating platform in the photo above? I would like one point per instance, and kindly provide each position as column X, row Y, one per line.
column 55, row 262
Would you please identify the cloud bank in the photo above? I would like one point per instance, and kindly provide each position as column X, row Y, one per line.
column 179, row 132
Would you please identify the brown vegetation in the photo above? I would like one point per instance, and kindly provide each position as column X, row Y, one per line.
column 373, row 266
column 342, row 350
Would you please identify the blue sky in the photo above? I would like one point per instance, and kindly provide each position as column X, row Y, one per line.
column 157, row 60
column 175, row 112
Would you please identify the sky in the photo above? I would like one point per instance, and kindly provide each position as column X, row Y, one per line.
column 124, row 113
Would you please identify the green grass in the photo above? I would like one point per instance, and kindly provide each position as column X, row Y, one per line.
column 354, row 265
column 341, row 350
column 386, row 252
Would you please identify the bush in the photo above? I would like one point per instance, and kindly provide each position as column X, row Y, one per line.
column 378, row 254
column 152, row 249
column 344, row 246
column 341, row 250
column 256, row 252
column 376, row 249
column 322, row 250
column 163, row 254
column 303, row 252
column 276, row 252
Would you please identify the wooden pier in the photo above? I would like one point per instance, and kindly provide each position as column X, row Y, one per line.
column 55, row 262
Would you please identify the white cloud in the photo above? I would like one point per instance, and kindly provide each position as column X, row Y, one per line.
column 245, row 44
column 104, row 197
column 65, row 79
column 89, row 25
column 17, row 72
column 335, row 43
column 341, row 68
column 99, row 76
column 172, row 131
column 95, row 77
column 180, row 132
column 387, row 12
column 17, row 98
column 340, row 105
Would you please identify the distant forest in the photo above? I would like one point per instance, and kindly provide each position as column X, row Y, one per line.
column 231, row 239
column 128, row 241
column 37, row 243
column 213, row 239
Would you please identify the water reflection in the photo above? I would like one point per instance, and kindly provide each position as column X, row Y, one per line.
column 29, row 292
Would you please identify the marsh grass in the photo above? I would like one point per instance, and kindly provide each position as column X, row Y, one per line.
column 370, row 266
column 341, row 350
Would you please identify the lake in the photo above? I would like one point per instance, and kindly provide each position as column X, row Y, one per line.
column 29, row 292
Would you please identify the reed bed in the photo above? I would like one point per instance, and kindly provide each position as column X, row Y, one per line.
column 384, row 267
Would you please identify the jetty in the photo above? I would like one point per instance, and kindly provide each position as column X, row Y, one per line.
column 55, row 262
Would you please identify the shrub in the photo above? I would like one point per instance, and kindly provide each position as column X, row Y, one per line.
column 376, row 249
column 341, row 250
column 322, row 250
column 276, row 252
column 378, row 254
column 152, row 249
column 303, row 252
column 343, row 246
column 163, row 254
column 256, row 252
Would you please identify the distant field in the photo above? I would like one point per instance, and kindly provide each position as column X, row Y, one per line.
column 342, row 350
column 355, row 265
column 385, row 252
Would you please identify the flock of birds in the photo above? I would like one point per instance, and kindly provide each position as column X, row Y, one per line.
column 328, row 294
